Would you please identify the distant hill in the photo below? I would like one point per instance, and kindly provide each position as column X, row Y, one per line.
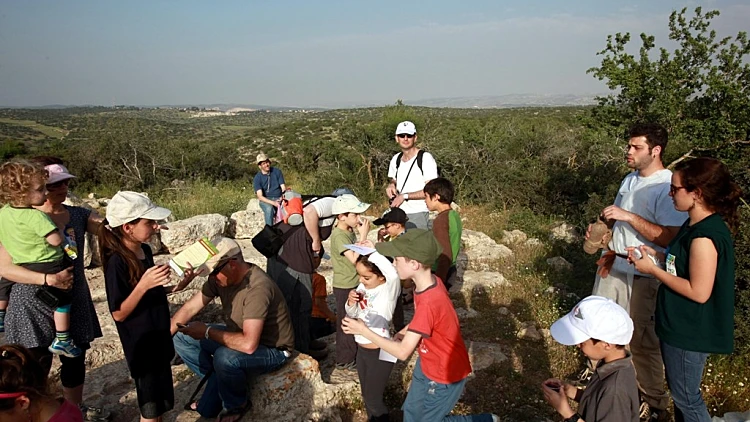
column 508, row 101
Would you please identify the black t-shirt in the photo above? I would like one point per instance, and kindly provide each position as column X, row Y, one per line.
column 145, row 334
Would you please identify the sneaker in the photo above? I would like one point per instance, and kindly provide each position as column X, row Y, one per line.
column 351, row 366
column 644, row 411
column 647, row 413
column 94, row 414
column 65, row 348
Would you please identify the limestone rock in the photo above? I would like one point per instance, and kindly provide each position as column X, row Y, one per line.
column 481, row 250
column 534, row 242
column 466, row 313
column 503, row 310
column 245, row 224
column 482, row 355
column 254, row 205
column 183, row 233
column 513, row 237
column 528, row 331
column 559, row 263
column 92, row 195
column 564, row 232
column 480, row 281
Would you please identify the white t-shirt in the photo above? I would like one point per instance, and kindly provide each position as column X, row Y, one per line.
column 649, row 198
column 324, row 208
column 376, row 310
column 416, row 181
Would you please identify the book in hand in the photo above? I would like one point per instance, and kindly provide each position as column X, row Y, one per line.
column 196, row 254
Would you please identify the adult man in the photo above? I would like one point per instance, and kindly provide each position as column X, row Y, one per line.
column 268, row 185
column 408, row 176
column 643, row 214
column 256, row 339
column 295, row 263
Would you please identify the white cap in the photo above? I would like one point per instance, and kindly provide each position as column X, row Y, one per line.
column 228, row 249
column 57, row 173
column 406, row 127
column 127, row 206
column 261, row 158
column 594, row 317
column 348, row 203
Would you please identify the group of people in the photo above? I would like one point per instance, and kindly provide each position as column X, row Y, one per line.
column 667, row 274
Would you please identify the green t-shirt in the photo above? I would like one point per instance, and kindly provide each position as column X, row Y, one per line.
column 699, row 327
column 455, row 228
column 23, row 233
column 344, row 273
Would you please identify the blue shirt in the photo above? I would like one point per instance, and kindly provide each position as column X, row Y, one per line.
column 269, row 183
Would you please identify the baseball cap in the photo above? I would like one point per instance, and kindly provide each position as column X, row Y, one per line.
column 348, row 203
column 417, row 244
column 261, row 158
column 406, row 127
column 392, row 215
column 594, row 317
column 127, row 206
column 228, row 249
column 57, row 173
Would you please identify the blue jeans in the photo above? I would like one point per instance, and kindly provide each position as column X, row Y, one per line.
column 684, row 372
column 269, row 211
column 227, row 386
column 431, row 401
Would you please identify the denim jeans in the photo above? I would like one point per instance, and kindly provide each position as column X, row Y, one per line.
column 684, row 370
column 431, row 401
column 227, row 386
column 269, row 211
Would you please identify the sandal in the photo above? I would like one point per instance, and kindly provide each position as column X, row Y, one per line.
column 234, row 415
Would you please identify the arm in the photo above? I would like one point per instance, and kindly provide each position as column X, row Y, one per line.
column 261, row 198
column 400, row 349
column 652, row 232
column 189, row 309
column 311, row 219
column 441, row 230
column 94, row 221
column 352, row 302
column 54, row 238
column 246, row 341
column 19, row 274
column 703, row 261
column 156, row 276
column 321, row 303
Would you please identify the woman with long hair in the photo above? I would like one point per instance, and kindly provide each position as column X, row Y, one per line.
column 695, row 302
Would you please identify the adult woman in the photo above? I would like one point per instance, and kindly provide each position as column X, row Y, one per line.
column 695, row 302
column 29, row 321
column 23, row 390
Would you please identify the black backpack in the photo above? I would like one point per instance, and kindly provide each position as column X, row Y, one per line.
column 420, row 154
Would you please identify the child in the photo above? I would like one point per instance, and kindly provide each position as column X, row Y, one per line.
column 347, row 209
column 601, row 329
column 447, row 226
column 373, row 302
column 443, row 364
column 393, row 221
column 34, row 241
column 323, row 318
column 137, row 299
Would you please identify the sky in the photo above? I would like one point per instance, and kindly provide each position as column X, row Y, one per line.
column 326, row 53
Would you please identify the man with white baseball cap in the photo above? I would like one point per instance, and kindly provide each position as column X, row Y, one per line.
column 257, row 336
column 601, row 329
column 409, row 171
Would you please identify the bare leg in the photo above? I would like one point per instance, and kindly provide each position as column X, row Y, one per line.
column 62, row 321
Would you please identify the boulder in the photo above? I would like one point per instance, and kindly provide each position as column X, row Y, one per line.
column 245, row 224
column 513, row 237
column 482, row 355
column 564, row 232
column 183, row 233
column 559, row 263
column 528, row 331
column 480, row 281
column 466, row 313
column 533, row 242
column 481, row 251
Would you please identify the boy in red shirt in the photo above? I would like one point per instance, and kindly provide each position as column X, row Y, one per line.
column 443, row 365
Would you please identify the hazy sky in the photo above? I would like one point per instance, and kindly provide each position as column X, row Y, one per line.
column 308, row 53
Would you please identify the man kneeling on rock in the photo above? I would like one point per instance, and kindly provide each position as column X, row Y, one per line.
column 257, row 336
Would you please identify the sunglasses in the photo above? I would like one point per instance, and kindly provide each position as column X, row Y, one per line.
column 405, row 135
column 56, row 185
column 673, row 189
column 218, row 269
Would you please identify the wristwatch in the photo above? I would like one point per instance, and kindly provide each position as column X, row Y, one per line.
column 406, row 196
column 575, row 418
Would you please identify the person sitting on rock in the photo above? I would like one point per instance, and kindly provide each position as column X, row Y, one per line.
column 257, row 336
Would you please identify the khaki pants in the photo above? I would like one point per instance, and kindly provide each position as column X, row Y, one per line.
column 644, row 346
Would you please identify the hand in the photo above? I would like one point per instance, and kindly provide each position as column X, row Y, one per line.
column 316, row 245
column 588, row 231
column 557, row 399
column 613, row 212
column 382, row 233
column 644, row 265
column 187, row 276
column 366, row 243
column 391, row 190
column 62, row 280
column 154, row 277
column 363, row 228
column 194, row 329
column 353, row 326
column 354, row 297
column 398, row 200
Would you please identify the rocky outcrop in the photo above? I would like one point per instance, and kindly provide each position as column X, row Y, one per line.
column 182, row 233
column 559, row 263
column 481, row 251
column 564, row 232
column 513, row 237
column 247, row 223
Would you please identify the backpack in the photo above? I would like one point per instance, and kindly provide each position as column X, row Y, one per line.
column 420, row 154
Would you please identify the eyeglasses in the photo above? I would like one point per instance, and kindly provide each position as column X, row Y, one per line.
column 405, row 135
column 218, row 269
column 56, row 185
column 673, row 189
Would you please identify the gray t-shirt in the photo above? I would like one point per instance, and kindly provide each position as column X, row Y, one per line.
column 612, row 393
